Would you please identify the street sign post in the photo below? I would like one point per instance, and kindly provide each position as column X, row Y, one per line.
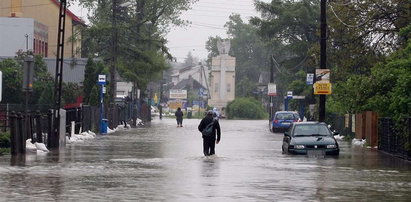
column 103, row 122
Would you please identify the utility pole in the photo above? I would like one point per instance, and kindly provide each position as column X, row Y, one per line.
column 54, row 139
column 113, row 82
column 323, row 55
column 27, row 42
column 271, row 81
column 161, row 95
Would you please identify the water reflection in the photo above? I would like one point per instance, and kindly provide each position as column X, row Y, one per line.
column 165, row 163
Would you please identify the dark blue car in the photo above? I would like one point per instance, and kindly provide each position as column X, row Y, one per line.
column 310, row 138
column 283, row 119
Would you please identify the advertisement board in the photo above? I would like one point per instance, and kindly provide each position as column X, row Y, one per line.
column 322, row 88
column 322, row 75
column 272, row 89
column 178, row 94
column 174, row 104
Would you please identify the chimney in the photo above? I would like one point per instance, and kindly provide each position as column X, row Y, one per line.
column 16, row 8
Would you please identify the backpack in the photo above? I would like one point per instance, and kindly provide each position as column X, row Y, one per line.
column 208, row 130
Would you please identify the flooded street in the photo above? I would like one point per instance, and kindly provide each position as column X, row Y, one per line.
column 164, row 163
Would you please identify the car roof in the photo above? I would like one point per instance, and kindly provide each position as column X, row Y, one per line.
column 280, row 112
column 309, row 123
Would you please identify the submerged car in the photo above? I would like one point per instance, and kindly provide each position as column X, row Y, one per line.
column 283, row 119
column 310, row 138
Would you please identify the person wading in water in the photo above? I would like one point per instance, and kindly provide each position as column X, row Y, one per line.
column 179, row 116
column 209, row 141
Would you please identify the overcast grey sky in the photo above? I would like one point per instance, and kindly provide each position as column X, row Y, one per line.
column 208, row 18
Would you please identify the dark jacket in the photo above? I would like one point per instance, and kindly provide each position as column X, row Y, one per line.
column 207, row 120
column 179, row 114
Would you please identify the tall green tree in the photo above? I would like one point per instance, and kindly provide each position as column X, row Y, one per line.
column 251, row 53
column 91, row 72
column 141, row 28
column 291, row 29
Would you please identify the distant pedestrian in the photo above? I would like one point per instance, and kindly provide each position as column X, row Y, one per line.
column 209, row 141
column 216, row 113
column 179, row 116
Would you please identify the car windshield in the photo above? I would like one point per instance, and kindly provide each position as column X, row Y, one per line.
column 311, row 130
column 285, row 116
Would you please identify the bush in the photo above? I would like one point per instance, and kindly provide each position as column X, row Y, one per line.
column 5, row 140
column 245, row 108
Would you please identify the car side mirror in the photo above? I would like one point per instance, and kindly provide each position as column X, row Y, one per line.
column 286, row 134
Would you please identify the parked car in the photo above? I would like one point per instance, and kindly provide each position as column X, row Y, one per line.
column 311, row 138
column 283, row 119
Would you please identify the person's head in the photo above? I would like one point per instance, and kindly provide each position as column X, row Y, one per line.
column 179, row 109
column 210, row 113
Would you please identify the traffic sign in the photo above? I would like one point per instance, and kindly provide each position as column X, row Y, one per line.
column 289, row 94
column 322, row 88
column 101, row 79
column 310, row 79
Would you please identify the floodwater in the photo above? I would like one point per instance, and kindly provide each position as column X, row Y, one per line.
column 161, row 162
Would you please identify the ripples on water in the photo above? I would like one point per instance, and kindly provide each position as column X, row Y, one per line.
column 165, row 163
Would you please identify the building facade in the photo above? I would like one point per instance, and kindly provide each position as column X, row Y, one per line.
column 21, row 34
column 46, row 12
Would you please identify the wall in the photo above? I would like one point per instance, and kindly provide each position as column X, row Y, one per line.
column 12, row 35
column 46, row 12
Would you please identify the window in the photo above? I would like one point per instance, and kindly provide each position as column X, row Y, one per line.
column 216, row 87
column 46, row 49
column 228, row 87
column 311, row 130
column 34, row 45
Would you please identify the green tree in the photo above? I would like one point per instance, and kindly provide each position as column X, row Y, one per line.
column 190, row 60
column 94, row 98
column 91, row 72
column 141, row 28
column 385, row 91
column 46, row 97
column 12, row 81
column 71, row 91
column 245, row 108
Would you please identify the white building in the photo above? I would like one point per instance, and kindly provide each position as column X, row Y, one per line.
column 124, row 89
column 21, row 34
column 198, row 73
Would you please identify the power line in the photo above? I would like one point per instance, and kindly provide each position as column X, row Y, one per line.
column 188, row 46
column 345, row 24
column 34, row 5
column 344, row 4
column 214, row 11
column 214, row 27
column 226, row 8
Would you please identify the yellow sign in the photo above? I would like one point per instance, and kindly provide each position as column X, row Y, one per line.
column 155, row 98
column 175, row 105
column 322, row 88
